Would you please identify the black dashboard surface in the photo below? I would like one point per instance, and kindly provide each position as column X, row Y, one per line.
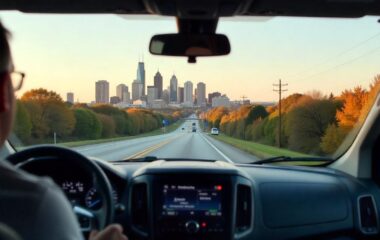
column 286, row 202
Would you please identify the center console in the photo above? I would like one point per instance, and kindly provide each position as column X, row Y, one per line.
column 190, row 205
column 194, row 207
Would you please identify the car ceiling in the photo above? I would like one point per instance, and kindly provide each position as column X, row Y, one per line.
column 201, row 9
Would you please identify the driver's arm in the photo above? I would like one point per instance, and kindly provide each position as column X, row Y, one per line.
column 54, row 217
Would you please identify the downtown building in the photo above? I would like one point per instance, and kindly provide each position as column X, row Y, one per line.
column 102, row 89
column 188, row 94
column 181, row 94
column 165, row 95
column 158, row 83
column 141, row 76
column 173, row 89
column 152, row 94
column 137, row 90
column 212, row 95
column 70, row 97
column 201, row 94
column 222, row 101
column 122, row 92
column 115, row 100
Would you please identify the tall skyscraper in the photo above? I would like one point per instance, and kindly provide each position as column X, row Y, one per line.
column 158, row 84
column 122, row 92
column 152, row 93
column 102, row 89
column 180, row 96
column 212, row 95
column 141, row 75
column 188, row 93
column 137, row 89
column 201, row 94
column 70, row 97
column 173, row 89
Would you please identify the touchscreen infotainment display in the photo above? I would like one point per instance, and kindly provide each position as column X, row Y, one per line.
column 192, row 200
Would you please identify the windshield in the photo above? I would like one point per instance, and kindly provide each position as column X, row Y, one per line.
column 92, row 85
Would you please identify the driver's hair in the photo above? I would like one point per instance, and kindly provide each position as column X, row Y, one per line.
column 5, row 52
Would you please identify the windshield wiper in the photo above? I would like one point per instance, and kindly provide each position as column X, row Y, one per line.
column 154, row 158
column 307, row 161
column 143, row 159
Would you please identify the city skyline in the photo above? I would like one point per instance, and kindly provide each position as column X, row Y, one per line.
column 185, row 95
column 316, row 54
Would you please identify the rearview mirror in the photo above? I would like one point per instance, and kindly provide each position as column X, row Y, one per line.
column 190, row 45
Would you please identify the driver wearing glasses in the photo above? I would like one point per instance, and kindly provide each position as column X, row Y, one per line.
column 35, row 208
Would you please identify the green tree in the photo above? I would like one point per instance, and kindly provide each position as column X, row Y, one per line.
column 270, row 126
column 333, row 138
column 306, row 125
column 40, row 127
column 87, row 126
column 108, row 125
column 256, row 112
column 119, row 117
column 256, row 130
column 48, row 113
column 23, row 124
column 61, row 119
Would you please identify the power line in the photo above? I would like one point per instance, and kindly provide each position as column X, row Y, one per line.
column 340, row 53
column 342, row 64
column 280, row 90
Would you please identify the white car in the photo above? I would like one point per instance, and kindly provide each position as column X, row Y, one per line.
column 214, row 131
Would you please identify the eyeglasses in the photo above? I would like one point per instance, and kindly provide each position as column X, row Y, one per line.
column 17, row 79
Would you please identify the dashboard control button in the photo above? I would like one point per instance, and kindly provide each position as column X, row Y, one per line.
column 192, row 226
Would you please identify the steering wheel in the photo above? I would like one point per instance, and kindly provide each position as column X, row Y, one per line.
column 46, row 156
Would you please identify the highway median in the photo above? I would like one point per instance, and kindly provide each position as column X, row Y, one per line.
column 170, row 128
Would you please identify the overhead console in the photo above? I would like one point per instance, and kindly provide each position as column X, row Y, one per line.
column 190, row 200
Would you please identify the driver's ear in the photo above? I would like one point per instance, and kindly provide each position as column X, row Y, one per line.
column 4, row 92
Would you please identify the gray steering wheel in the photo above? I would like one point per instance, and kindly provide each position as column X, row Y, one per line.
column 31, row 158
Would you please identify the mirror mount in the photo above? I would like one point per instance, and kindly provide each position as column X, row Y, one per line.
column 198, row 26
column 192, row 59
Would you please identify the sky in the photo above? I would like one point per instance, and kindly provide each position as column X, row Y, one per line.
column 69, row 53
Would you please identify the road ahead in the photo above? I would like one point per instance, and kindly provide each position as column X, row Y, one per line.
column 181, row 143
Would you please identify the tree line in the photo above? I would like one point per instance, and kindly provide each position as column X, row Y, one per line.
column 42, row 113
column 311, row 123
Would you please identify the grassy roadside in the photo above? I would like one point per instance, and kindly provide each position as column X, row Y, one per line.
column 169, row 129
column 265, row 151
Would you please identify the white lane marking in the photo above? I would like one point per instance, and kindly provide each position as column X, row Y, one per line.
column 216, row 149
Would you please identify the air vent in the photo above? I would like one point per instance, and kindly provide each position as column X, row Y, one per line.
column 243, row 209
column 139, row 207
column 368, row 221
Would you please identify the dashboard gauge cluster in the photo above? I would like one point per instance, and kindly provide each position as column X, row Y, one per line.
column 72, row 187
column 85, row 195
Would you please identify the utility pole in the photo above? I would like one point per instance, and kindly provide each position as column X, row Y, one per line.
column 243, row 99
column 279, row 88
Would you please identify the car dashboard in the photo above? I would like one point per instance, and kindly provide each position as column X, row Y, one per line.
column 218, row 200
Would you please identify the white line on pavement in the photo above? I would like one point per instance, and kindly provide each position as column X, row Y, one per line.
column 216, row 149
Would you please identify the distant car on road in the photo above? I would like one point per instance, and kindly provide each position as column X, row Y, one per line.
column 183, row 128
column 193, row 123
column 194, row 129
column 214, row 131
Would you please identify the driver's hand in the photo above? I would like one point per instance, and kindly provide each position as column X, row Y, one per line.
column 111, row 232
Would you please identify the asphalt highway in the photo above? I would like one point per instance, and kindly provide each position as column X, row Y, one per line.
column 181, row 143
